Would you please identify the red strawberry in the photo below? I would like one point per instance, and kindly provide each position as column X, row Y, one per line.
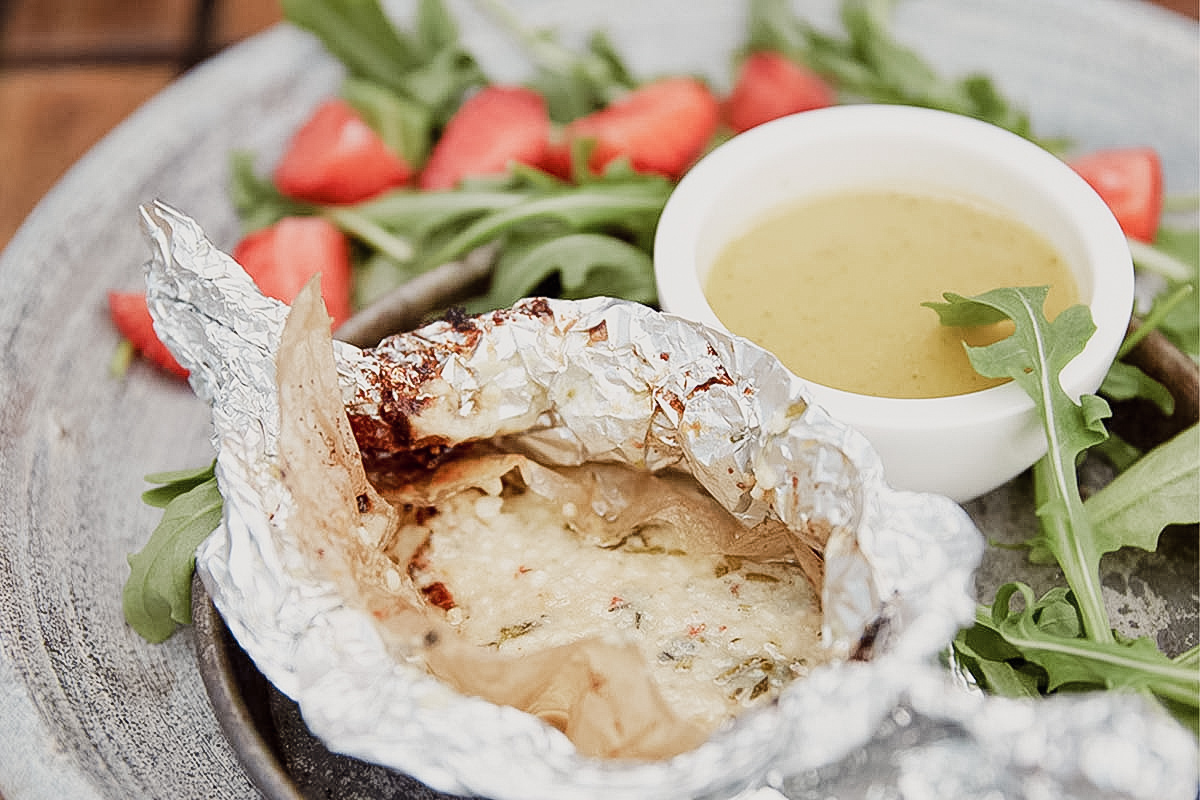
column 335, row 157
column 662, row 127
column 282, row 258
column 770, row 86
column 1130, row 181
column 495, row 127
column 131, row 315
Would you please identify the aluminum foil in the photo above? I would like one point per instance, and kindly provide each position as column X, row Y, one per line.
column 606, row 379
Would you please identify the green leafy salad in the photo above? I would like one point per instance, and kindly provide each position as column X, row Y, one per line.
column 568, row 192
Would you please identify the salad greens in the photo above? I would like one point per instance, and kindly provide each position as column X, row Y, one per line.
column 425, row 69
column 593, row 235
column 157, row 597
column 1175, row 257
column 573, row 83
column 867, row 63
column 1156, row 491
column 1033, row 356
column 1038, row 649
column 1064, row 639
column 528, row 211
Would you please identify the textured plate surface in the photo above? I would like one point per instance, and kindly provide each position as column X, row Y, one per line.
column 87, row 709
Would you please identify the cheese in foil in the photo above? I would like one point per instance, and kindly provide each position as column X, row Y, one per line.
column 327, row 583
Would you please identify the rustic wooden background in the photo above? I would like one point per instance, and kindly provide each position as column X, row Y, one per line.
column 72, row 69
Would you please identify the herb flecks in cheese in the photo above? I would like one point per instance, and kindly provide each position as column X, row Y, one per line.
column 719, row 633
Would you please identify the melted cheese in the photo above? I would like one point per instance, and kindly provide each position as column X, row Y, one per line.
column 719, row 634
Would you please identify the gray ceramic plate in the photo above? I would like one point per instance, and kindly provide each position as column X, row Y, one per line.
column 87, row 709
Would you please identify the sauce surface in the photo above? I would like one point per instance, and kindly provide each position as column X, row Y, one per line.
column 834, row 288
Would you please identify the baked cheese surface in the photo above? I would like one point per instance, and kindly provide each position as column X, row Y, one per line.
column 719, row 634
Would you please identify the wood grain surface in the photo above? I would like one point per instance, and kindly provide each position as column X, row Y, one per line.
column 70, row 70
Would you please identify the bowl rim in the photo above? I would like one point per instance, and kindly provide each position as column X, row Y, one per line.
column 1110, row 303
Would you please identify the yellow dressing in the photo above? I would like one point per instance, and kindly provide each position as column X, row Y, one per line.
column 834, row 288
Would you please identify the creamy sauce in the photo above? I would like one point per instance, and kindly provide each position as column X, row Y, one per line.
column 718, row 634
column 834, row 288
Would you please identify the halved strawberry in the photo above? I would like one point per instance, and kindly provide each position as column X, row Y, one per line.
column 283, row 257
column 662, row 127
column 1130, row 181
column 769, row 86
column 495, row 127
column 335, row 157
column 132, row 318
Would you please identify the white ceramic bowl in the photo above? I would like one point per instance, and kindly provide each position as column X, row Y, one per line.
column 961, row 446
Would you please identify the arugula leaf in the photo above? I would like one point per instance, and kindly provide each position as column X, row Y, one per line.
column 996, row 664
column 1063, row 641
column 256, row 200
column 423, row 216
column 1118, row 452
column 406, row 232
column 588, row 264
column 172, row 484
column 1160, row 489
column 1126, row 382
column 1182, row 244
column 1181, row 324
column 1175, row 313
column 867, row 63
column 405, row 126
column 1039, row 633
column 1033, row 356
column 358, row 34
column 1189, row 658
column 773, row 25
column 616, row 204
column 426, row 65
column 158, row 593
column 573, row 83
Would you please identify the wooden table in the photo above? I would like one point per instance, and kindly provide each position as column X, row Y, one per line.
column 72, row 69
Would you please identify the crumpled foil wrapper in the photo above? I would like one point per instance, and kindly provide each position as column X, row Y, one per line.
column 604, row 379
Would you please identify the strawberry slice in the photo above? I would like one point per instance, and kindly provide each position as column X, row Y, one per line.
column 769, row 86
column 1130, row 181
column 496, row 126
column 132, row 318
column 662, row 127
column 283, row 257
column 336, row 157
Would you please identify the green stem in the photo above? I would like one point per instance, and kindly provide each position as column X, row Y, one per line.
column 1152, row 259
column 357, row 33
column 122, row 357
column 594, row 206
column 1189, row 658
column 544, row 53
column 362, row 227
column 1055, row 485
column 548, row 54
column 1178, row 681
column 1154, row 318
column 1180, row 203
column 405, row 206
